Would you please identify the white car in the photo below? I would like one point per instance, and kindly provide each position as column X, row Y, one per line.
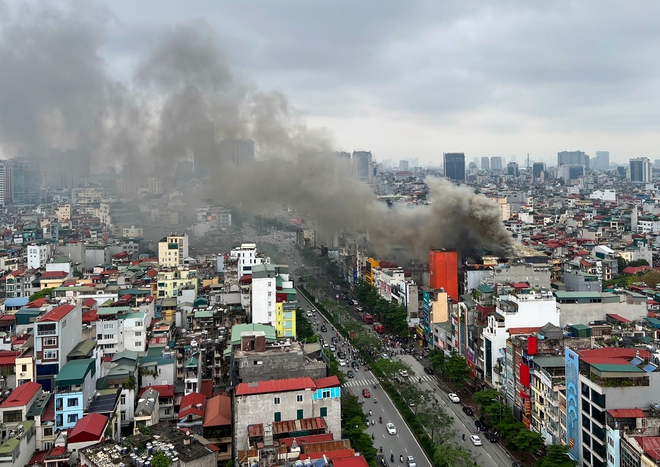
column 391, row 429
column 342, row 362
column 475, row 440
column 454, row 398
column 410, row 460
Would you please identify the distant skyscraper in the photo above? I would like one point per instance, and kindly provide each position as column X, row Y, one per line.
column 414, row 162
column 237, row 151
column 514, row 158
column 602, row 161
column 204, row 147
column 640, row 170
column 5, row 183
column 512, row 169
column 496, row 163
column 537, row 169
column 572, row 158
column 454, row 165
column 485, row 163
column 362, row 165
column 403, row 164
column 26, row 182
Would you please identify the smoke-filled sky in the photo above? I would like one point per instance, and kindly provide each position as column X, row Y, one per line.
column 64, row 87
column 419, row 78
column 402, row 79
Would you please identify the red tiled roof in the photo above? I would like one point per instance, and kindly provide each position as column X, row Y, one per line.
column 7, row 320
column 627, row 413
column 21, row 396
column 307, row 439
column 329, row 382
column 88, row 428
column 347, row 461
column 38, row 458
column 120, row 255
column 91, row 316
column 57, row 313
column 190, row 403
column 151, row 273
column 38, row 303
column 218, row 411
column 57, row 451
column 619, row 318
column 165, row 391
column 650, row 445
column 245, row 278
column 54, row 275
column 615, row 352
column 520, row 285
column 8, row 357
column 632, row 270
column 90, row 302
column 49, row 413
column 275, row 385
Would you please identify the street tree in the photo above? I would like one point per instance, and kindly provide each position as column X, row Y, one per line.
column 485, row 398
column 438, row 359
column 448, row 454
column 456, row 369
column 415, row 396
column 556, row 455
column 438, row 422
column 388, row 367
column 528, row 441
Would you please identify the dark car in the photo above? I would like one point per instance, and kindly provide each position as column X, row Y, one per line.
column 468, row 411
column 323, row 328
column 479, row 425
column 350, row 373
column 492, row 437
column 341, row 354
column 428, row 370
column 355, row 365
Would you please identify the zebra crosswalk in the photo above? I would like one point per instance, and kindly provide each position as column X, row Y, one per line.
column 355, row 383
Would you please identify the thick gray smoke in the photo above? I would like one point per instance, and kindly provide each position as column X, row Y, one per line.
column 56, row 92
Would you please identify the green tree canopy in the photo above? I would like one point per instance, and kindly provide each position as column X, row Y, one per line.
column 556, row 455
column 160, row 459
column 41, row 294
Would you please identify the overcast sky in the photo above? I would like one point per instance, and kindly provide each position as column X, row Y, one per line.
column 409, row 79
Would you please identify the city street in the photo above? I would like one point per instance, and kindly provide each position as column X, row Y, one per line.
column 403, row 443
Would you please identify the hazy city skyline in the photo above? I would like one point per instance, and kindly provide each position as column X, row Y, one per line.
column 417, row 79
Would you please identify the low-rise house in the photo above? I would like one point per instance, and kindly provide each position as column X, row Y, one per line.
column 147, row 412
column 14, row 409
column 88, row 431
column 19, row 445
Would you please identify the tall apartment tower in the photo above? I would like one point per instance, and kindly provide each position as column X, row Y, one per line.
column 602, row 161
column 362, row 165
column 640, row 170
column 573, row 158
column 512, row 169
column 454, row 165
column 496, row 163
column 485, row 163
column 538, row 169
column 26, row 181
column 237, row 151
column 5, row 183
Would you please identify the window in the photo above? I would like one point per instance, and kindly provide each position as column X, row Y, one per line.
column 123, row 399
column 299, row 414
column 299, row 398
column 72, row 418
column 123, row 416
column 139, row 323
column 276, row 401
column 168, row 411
column 138, row 343
column 108, row 325
column 50, row 354
column 324, row 411
column 13, row 416
column 49, row 341
column 46, row 329
column 23, row 368
column 325, row 394
column 72, row 402
column 108, row 336
column 48, row 431
column 138, row 333
column 278, row 416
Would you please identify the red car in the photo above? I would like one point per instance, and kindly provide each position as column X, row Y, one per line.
column 366, row 393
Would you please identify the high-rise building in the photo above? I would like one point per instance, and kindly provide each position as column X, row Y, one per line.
column 485, row 163
column 496, row 163
column 538, row 169
column 640, row 170
column 573, row 158
column 237, row 151
column 403, row 164
column 26, row 182
column 204, row 147
column 512, row 169
column 454, row 165
column 172, row 250
column 570, row 171
column 602, row 161
column 5, row 183
column 443, row 271
column 414, row 162
column 362, row 165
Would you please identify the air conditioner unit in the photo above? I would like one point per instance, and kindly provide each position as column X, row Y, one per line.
column 22, row 374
